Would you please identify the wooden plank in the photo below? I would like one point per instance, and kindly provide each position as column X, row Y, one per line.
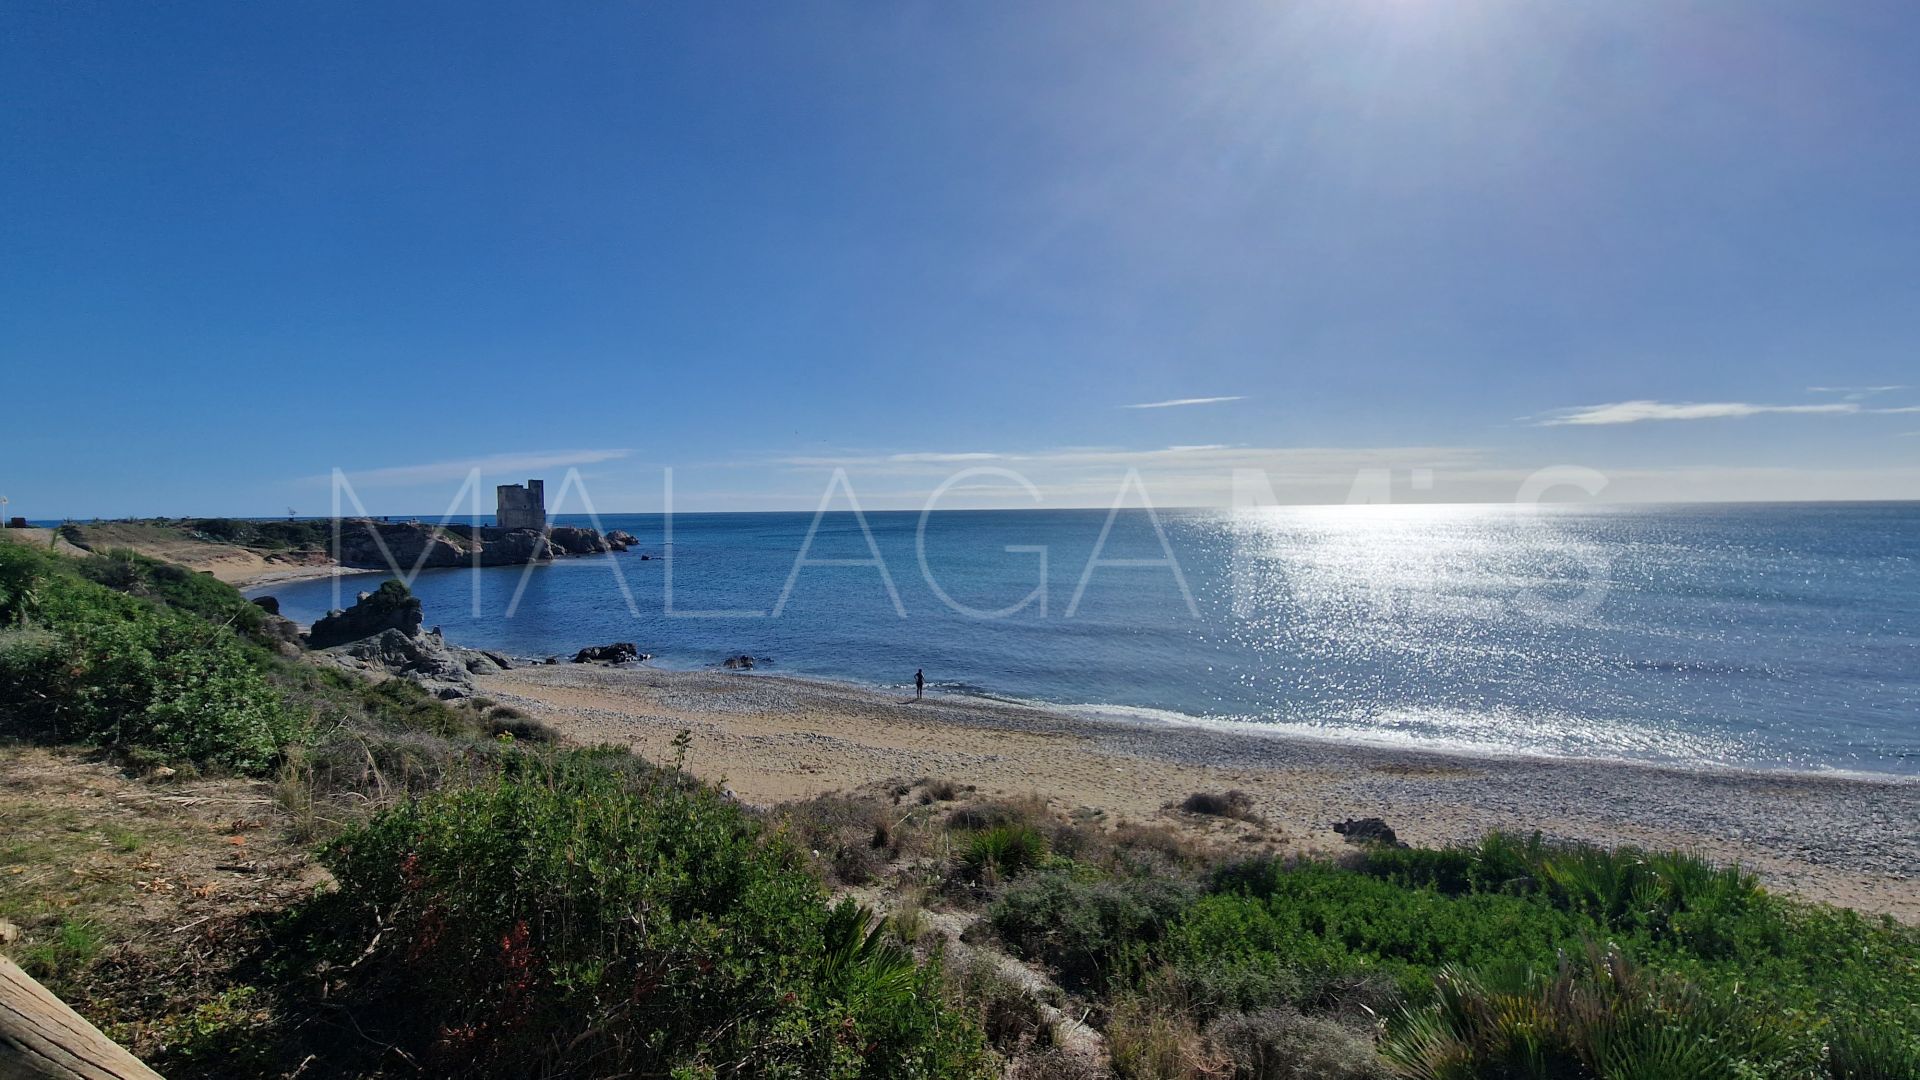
column 40, row 1037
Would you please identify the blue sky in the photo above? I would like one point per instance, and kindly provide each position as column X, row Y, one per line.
column 242, row 245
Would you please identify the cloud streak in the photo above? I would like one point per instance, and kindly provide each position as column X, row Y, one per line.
column 1855, row 393
column 496, row 465
column 1176, row 403
column 1635, row 412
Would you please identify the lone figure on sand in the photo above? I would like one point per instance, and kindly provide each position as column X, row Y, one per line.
column 919, row 683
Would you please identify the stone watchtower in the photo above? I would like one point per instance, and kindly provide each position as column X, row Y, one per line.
column 521, row 507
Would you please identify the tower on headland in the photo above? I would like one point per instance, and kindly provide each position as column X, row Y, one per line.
column 521, row 507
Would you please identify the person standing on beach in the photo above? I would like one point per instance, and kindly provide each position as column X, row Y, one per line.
column 919, row 683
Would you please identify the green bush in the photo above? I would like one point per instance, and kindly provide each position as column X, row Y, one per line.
column 1320, row 921
column 1683, row 914
column 575, row 914
column 87, row 664
column 1087, row 931
column 1670, row 896
column 1003, row 851
column 173, row 586
column 1599, row 1017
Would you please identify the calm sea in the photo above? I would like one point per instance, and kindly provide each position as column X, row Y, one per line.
column 1758, row 636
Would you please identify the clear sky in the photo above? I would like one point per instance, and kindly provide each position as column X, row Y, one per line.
column 242, row 245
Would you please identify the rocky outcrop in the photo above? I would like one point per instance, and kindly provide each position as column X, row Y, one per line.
column 383, row 546
column 380, row 635
column 424, row 658
column 617, row 653
column 268, row 604
column 391, row 607
column 621, row 540
column 575, row 541
column 386, row 545
column 743, row 662
column 513, row 547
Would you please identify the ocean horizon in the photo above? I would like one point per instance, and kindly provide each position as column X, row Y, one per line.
column 1745, row 636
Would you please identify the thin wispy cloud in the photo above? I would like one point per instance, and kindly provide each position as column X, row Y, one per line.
column 939, row 458
column 1181, row 402
column 1635, row 412
column 493, row 465
column 1855, row 393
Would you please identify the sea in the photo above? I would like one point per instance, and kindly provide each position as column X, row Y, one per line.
column 1768, row 637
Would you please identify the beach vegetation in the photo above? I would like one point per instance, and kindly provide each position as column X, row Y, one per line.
column 1008, row 1015
column 1225, row 804
column 85, row 663
column 1088, row 930
column 580, row 909
column 1508, row 957
column 999, row 852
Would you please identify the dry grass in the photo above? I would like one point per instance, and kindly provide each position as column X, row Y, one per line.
column 135, row 899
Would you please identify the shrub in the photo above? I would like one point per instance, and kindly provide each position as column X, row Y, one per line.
column 1322, row 922
column 1152, row 1040
column 173, row 586
column 1682, row 913
column 633, row 921
column 1284, row 1044
column 1002, row 852
column 98, row 667
column 1226, row 804
column 1030, row 810
column 1086, row 931
column 521, row 728
column 855, row 836
column 1005, row 1012
column 1861, row 1052
column 1599, row 1016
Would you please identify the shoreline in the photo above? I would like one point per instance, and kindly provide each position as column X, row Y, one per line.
column 774, row 738
column 283, row 575
column 1152, row 718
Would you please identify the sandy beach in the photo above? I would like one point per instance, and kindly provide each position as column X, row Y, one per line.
column 773, row 738
column 279, row 574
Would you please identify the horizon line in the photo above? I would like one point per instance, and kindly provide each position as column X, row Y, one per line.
column 51, row 523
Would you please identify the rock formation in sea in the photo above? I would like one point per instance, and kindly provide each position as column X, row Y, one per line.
column 404, row 545
column 617, row 653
